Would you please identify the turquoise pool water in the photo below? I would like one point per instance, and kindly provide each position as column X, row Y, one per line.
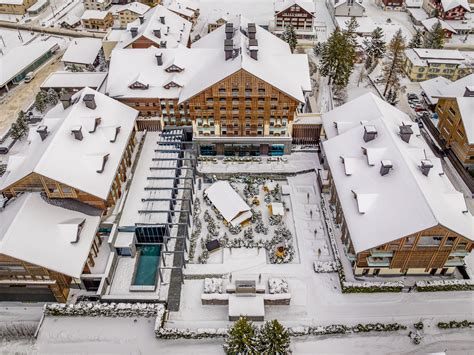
column 147, row 265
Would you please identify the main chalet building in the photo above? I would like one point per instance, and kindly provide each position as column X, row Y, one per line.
column 239, row 87
column 397, row 210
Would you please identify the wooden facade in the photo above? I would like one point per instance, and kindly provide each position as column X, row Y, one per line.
column 242, row 105
column 452, row 131
column 306, row 133
column 16, row 9
column 98, row 23
column 294, row 15
column 435, row 8
column 435, row 250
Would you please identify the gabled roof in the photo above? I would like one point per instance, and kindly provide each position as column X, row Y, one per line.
column 70, row 161
column 466, row 109
column 433, row 87
column 82, row 51
column 380, row 209
column 276, row 65
column 94, row 14
column 452, row 4
column 337, row 3
column 136, row 7
column 429, row 23
column 282, row 5
column 457, row 88
column 52, row 237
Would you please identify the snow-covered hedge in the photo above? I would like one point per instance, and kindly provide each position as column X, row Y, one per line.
column 454, row 324
column 93, row 309
column 277, row 286
column 213, row 285
column 324, row 266
column 343, row 329
column 184, row 333
column 369, row 287
column 444, row 285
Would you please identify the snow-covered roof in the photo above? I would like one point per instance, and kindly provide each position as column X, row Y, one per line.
column 227, row 201
column 179, row 8
column 19, row 58
column 11, row 2
column 337, row 3
column 278, row 209
column 52, row 237
column 71, row 20
column 275, row 65
column 174, row 31
column 94, row 14
column 428, row 24
column 136, row 7
column 380, row 209
column 82, row 51
column 433, row 86
column 67, row 79
column 73, row 162
column 418, row 13
column 457, row 88
column 466, row 110
column 366, row 24
column 452, row 4
column 423, row 56
column 128, row 66
column 37, row 5
column 308, row 6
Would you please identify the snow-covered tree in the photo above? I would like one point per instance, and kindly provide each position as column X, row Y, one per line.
column 241, row 338
column 274, row 338
column 52, row 97
column 318, row 48
column 374, row 48
column 41, row 101
column 417, row 40
column 102, row 61
column 434, row 38
column 350, row 32
column 393, row 68
column 19, row 128
column 289, row 36
column 392, row 97
column 337, row 58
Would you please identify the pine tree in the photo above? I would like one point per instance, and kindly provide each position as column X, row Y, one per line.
column 241, row 338
column 19, row 128
column 435, row 38
column 15, row 131
column 391, row 97
column 289, row 36
column 337, row 58
column 393, row 68
column 52, row 97
column 274, row 338
column 374, row 48
column 102, row 61
column 350, row 32
column 40, row 101
column 417, row 40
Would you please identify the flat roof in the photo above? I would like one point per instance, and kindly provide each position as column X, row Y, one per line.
column 66, row 79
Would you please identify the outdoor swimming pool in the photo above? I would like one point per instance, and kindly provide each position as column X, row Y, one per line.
column 147, row 267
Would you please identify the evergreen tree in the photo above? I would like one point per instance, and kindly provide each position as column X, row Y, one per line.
column 374, row 48
column 352, row 26
column 337, row 58
column 435, row 38
column 289, row 36
column 19, row 128
column 318, row 48
column 62, row 92
column 102, row 61
column 417, row 40
column 274, row 338
column 15, row 131
column 40, row 101
column 391, row 97
column 52, row 97
column 241, row 338
column 393, row 67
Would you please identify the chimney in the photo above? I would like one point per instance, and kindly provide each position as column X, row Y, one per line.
column 142, row 19
column 252, row 30
column 229, row 30
column 370, row 132
column 162, row 20
column 159, row 59
column 77, row 131
column 426, row 166
column 157, row 33
column 385, row 167
column 228, row 48
column 89, row 100
column 43, row 132
column 253, row 48
column 134, row 31
column 66, row 100
column 469, row 91
column 96, row 123
column 405, row 132
column 162, row 44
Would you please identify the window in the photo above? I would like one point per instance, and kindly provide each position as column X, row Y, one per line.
column 452, row 111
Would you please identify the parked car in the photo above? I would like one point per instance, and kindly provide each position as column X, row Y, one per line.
column 419, row 108
column 30, row 76
column 419, row 122
column 412, row 96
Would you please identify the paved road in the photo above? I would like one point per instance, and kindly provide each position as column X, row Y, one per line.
column 52, row 30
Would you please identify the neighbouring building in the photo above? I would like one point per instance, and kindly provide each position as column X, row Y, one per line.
column 455, row 109
column 100, row 5
column 70, row 21
column 224, row 85
column 187, row 9
column 158, row 27
column 447, row 9
column 307, row 128
column 429, row 24
column 15, row 7
column 397, row 211
column 431, row 89
column 130, row 12
column 97, row 20
column 74, row 81
column 70, row 174
column 217, row 22
column 422, row 64
column 392, row 4
column 350, row 8
column 37, row 8
column 298, row 13
column 82, row 53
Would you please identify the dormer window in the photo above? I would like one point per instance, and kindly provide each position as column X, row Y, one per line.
column 138, row 85
column 174, row 69
column 172, row 84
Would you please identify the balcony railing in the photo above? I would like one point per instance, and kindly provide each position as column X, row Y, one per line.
column 374, row 263
column 455, row 262
column 381, row 253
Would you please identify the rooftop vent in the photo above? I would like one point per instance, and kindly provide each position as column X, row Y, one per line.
column 134, row 31
column 105, row 157
column 117, row 130
column 253, row 48
column 42, row 131
column 96, row 123
column 252, row 30
column 66, row 100
column 159, row 59
column 370, row 132
column 162, row 44
column 426, row 166
column 469, row 92
column 385, row 167
column 228, row 48
column 157, row 33
column 89, row 100
column 405, row 132
column 77, row 131
column 142, row 19
column 162, row 20
column 229, row 30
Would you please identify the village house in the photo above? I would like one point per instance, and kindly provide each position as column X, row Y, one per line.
column 130, row 12
column 397, row 212
column 100, row 5
column 430, row 23
column 447, row 9
column 217, row 22
column 15, row 7
column 348, row 8
column 82, row 54
column 391, row 4
column 422, row 64
column 298, row 13
column 74, row 81
column 187, row 9
column 97, row 20
column 69, row 175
